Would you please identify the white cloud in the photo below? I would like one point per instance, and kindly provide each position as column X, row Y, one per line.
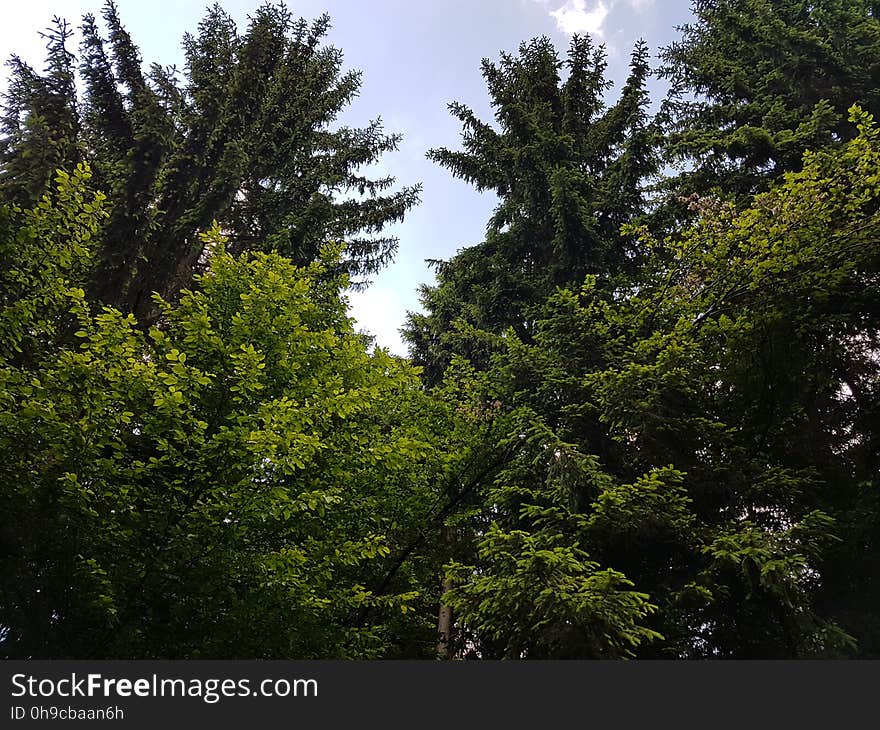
column 581, row 16
column 574, row 17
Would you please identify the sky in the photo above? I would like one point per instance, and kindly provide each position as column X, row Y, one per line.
column 416, row 56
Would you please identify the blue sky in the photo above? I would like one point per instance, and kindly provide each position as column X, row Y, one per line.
column 416, row 56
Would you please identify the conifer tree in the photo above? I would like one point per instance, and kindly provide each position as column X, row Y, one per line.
column 756, row 83
column 694, row 471
column 568, row 172
column 245, row 135
column 39, row 125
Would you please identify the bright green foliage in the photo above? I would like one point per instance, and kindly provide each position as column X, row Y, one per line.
column 645, row 438
column 568, row 172
column 759, row 82
column 234, row 484
column 41, row 249
column 244, row 138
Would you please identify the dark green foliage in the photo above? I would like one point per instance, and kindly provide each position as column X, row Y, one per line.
column 244, row 137
column 568, row 172
column 642, row 429
column 535, row 592
column 756, row 83
column 700, row 439
column 692, row 470
column 40, row 122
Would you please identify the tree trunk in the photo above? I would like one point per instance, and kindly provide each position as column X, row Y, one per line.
column 444, row 622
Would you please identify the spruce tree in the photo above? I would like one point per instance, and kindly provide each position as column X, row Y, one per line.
column 39, row 125
column 246, row 134
column 568, row 172
column 756, row 83
column 694, row 469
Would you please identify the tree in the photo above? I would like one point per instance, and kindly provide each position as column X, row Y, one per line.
column 234, row 484
column 708, row 439
column 246, row 137
column 39, row 115
column 757, row 83
column 568, row 173
column 533, row 591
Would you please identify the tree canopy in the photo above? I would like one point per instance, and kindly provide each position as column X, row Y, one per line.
column 700, row 441
column 639, row 419
column 756, row 83
column 246, row 134
column 231, row 484
column 568, row 172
